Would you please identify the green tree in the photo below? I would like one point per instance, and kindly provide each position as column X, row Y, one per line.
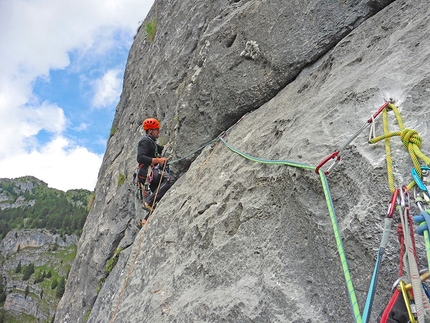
column 27, row 291
column 18, row 267
column 2, row 291
column 28, row 271
column 60, row 288
column 39, row 278
column 54, row 283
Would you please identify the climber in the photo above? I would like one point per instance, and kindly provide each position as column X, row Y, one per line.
column 148, row 154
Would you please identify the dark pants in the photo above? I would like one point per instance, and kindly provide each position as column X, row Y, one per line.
column 164, row 187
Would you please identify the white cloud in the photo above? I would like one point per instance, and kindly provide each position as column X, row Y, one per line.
column 59, row 164
column 81, row 127
column 45, row 116
column 107, row 89
column 37, row 37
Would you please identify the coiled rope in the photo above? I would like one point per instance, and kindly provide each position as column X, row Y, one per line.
column 411, row 141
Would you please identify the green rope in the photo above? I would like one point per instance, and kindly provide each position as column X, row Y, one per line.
column 352, row 297
column 267, row 161
column 427, row 244
column 351, row 292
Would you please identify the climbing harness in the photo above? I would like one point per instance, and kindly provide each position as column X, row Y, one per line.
column 136, row 253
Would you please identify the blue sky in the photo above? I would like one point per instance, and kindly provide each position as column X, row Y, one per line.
column 61, row 69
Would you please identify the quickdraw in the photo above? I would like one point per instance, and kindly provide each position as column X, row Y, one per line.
column 425, row 171
column 384, row 242
column 336, row 154
column 405, row 294
column 410, row 258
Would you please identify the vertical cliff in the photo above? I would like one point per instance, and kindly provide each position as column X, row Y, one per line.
column 236, row 240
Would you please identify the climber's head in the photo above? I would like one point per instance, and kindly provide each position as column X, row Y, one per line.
column 151, row 126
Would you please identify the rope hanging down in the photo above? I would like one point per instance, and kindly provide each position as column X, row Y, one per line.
column 130, row 270
column 410, row 140
column 337, row 234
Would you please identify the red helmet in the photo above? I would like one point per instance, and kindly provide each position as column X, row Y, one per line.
column 151, row 123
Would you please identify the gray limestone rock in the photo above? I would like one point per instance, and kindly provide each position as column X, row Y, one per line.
column 34, row 239
column 235, row 240
column 18, row 304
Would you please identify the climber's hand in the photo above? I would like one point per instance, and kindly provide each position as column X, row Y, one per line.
column 160, row 161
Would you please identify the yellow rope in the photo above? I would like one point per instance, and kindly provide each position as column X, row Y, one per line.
column 411, row 141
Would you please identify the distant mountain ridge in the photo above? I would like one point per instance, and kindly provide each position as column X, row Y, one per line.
column 28, row 203
column 39, row 231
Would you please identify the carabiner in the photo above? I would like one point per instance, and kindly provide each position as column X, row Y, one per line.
column 401, row 199
column 407, row 301
column 419, row 182
column 406, row 196
column 392, row 204
column 335, row 156
column 424, row 275
column 373, row 117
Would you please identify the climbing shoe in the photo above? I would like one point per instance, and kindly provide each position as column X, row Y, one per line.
column 140, row 223
column 147, row 207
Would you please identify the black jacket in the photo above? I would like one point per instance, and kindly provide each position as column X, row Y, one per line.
column 147, row 149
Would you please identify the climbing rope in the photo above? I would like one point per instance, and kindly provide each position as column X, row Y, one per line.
column 210, row 142
column 267, row 161
column 408, row 259
column 337, row 234
column 423, row 220
column 137, row 250
column 351, row 291
column 384, row 242
column 411, row 141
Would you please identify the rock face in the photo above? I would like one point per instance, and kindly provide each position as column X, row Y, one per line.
column 47, row 252
column 18, row 186
column 19, row 304
column 35, row 239
column 235, row 240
